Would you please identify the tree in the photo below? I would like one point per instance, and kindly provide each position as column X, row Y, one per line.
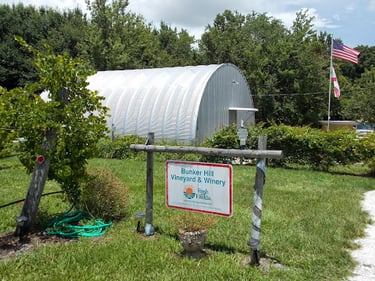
column 306, row 66
column 66, row 130
column 223, row 40
column 64, row 32
column 285, row 69
column 15, row 63
column 175, row 48
column 359, row 104
column 118, row 39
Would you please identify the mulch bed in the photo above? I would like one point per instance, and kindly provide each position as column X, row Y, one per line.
column 11, row 245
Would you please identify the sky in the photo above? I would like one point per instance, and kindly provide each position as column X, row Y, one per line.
column 352, row 21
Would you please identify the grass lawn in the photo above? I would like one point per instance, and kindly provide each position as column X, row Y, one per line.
column 309, row 223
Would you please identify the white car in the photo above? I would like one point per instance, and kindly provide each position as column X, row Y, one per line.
column 364, row 129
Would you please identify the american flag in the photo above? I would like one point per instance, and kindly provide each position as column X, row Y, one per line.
column 341, row 51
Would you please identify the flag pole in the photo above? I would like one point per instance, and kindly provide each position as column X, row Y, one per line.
column 330, row 86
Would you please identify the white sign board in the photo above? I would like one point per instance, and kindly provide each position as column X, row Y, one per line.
column 242, row 135
column 200, row 187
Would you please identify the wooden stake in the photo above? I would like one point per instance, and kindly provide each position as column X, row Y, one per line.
column 36, row 186
column 149, row 228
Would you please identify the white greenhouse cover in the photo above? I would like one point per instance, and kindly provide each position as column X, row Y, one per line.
column 165, row 101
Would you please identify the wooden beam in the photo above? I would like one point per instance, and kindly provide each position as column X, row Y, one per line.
column 273, row 154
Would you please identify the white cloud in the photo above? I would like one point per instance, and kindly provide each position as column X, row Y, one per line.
column 195, row 13
column 318, row 22
column 371, row 5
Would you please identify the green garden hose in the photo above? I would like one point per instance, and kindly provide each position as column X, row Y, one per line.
column 77, row 224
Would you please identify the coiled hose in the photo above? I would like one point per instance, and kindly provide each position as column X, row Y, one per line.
column 69, row 225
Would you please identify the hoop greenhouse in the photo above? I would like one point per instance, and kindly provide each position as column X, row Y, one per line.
column 183, row 104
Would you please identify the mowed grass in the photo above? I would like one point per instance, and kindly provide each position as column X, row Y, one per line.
column 309, row 222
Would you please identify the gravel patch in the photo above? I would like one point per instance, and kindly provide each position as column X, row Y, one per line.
column 365, row 254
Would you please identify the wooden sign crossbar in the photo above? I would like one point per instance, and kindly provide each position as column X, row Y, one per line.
column 273, row 154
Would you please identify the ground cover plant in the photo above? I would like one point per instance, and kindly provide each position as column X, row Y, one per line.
column 309, row 223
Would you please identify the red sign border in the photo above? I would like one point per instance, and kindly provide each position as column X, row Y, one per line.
column 201, row 164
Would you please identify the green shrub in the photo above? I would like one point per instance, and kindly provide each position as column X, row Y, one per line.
column 313, row 147
column 8, row 149
column 300, row 145
column 119, row 148
column 371, row 165
column 367, row 151
column 162, row 157
column 104, row 196
column 225, row 138
column 367, row 147
column 303, row 145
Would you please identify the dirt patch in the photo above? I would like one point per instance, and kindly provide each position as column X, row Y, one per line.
column 11, row 245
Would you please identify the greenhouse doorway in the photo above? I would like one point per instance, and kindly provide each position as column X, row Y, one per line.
column 238, row 114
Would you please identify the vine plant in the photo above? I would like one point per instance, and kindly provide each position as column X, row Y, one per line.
column 75, row 113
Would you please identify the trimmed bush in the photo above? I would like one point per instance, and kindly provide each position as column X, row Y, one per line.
column 367, row 151
column 313, row 147
column 162, row 157
column 119, row 148
column 104, row 196
column 225, row 138
column 300, row 145
column 303, row 145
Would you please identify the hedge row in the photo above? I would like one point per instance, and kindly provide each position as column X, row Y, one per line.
column 300, row 145
column 119, row 148
column 315, row 148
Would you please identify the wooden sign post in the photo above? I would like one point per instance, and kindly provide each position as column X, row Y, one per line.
column 261, row 154
column 149, row 227
column 254, row 241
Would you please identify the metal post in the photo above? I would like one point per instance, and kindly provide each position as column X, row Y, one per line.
column 149, row 228
column 254, row 241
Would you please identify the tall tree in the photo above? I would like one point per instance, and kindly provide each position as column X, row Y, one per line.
column 65, row 32
column 220, row 40
column 175, row 47
column 16, row 63
column 119, row 39
column 307, row 67
column 284, row 68
column 359, row 103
